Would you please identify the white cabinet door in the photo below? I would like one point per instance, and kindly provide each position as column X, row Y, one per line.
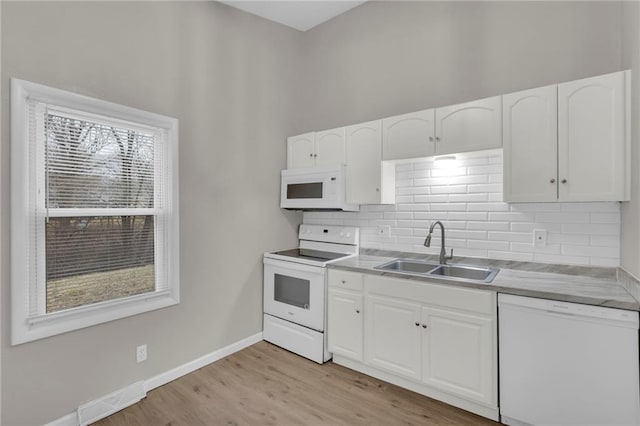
column 330, row 147
column 368, row 180
column 471, row 126
column 459, row 354
column 409, row 135
column 530, row 134
column 300, row 151
column 591, row 139
column 392, row 336
column 345, row 324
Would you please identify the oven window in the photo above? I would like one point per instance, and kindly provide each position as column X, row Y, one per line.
column 292, row 291
column 304, row 190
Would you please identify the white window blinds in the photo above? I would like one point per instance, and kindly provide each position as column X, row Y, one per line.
column 99, row 207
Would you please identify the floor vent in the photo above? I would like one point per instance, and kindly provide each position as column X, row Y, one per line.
column 109, row 404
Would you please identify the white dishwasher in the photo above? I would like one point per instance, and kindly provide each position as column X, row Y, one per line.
column 567, row 364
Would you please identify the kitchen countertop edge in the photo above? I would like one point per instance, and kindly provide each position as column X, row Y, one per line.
column 575, row 288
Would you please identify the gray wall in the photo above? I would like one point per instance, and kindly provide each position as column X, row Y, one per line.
column 228, row 77
column 239, row 85
column 387, row 58
column 630, row 212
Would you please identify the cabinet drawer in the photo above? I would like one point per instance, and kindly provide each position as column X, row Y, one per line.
column 345, row 279
column 467, row 299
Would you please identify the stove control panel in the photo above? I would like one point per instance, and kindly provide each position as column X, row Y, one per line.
column 330, row 234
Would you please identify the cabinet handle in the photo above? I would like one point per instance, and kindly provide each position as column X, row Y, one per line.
column 424, row 325
column 357, row 311
column 552, row 181
column 564, row 181
column 417, row 324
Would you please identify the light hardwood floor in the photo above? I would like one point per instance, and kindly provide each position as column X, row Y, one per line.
column 266, row 385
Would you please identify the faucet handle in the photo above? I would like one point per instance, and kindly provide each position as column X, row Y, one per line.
column 450, row 256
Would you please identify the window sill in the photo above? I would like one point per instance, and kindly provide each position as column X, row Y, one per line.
column 34, row 328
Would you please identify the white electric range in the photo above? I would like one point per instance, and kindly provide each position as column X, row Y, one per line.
column 295, row 289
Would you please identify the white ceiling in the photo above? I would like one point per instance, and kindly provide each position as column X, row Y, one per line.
column 301, row 15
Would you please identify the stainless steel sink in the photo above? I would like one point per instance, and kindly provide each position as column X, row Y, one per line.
column 408, row 265
column 436, row 270
column 465, row 272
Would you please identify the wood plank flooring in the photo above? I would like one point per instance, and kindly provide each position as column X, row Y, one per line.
column 266, row 385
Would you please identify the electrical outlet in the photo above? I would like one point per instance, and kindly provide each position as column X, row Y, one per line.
column 141, row 353
column 384, row 230
column 539, row 238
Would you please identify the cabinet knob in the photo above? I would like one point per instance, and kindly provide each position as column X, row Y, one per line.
column 344, row 282
column 563, row 181
column 552, row 181
column 437, row 138
column 315, row 155
column 311, row 155
column 357, row 311
column 417, row 324
column 424, row 325
column 377, row 189
column 430, row 138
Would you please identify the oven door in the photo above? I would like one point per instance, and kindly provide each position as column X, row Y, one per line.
column 295, row 292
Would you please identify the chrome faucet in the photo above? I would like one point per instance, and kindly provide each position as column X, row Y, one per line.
column 443, row 252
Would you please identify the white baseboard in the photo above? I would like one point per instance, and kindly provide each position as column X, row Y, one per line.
column 168, row 376
column 71, row 419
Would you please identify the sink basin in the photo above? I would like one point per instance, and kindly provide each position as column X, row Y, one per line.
column 408, row 265
column 452, row 272
column 465, row 272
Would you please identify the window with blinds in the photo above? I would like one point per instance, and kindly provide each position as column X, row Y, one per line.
column 97, row 199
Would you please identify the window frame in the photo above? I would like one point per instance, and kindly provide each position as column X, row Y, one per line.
column 26, row 327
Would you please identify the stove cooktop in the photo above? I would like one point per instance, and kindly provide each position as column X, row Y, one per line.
column 309, row 254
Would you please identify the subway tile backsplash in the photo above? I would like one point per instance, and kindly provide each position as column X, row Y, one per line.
column 467, row 197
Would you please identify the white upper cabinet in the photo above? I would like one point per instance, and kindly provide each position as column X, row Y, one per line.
column 567, row 142
column 300, row 150
column 369, row 180
column 330, row 147
column 472, row 126
column 409, row 135
column 326, row 148
column 592, row 143
column 530, row 136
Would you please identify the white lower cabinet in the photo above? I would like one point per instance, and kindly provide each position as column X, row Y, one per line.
column 458, row 353
column 392, row 335
column 345, row 314
column 439, row 340
column 345, row 323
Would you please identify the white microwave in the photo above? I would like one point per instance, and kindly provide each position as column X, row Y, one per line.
column 317, row 188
